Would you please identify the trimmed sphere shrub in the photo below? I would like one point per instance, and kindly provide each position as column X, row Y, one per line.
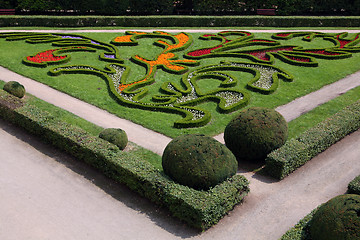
column 115, row 136
column 15, row 89
column 337, row 219
column 255, row 132
column 198, row 161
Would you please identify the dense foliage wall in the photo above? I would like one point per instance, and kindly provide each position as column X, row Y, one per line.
column 192, row 7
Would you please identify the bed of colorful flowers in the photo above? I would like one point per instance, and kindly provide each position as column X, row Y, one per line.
column 253, row 55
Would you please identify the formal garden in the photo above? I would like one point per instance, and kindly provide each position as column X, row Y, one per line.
column 191, row 86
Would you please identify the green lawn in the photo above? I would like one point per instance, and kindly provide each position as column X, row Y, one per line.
column 95, row 90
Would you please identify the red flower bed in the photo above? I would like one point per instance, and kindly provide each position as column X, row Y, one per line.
column 46, row 56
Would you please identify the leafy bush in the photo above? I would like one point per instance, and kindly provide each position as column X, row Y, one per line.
column 255, row 132
column 198, row 161
column 211, row 7
column 200, row 209
column 354, row 186
column 115, row 136
column 153, row 7
column 337, row 219
column 297, row 152
column 15, row 89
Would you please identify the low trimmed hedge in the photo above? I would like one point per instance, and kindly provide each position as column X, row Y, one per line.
column 301, row 230
column 200, row 209
column 354, row 186
column 178, row 21
column 296, row 152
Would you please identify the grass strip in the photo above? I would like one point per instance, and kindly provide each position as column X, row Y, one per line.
column 321, row 113
column 297, row 151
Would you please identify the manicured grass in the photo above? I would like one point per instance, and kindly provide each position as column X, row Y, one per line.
column 317, row 115
column 94, row 90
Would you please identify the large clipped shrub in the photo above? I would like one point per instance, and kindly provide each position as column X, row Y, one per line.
column 255, row 132
column 337, row 219
column 15, row 89
column 115, row 136
column 198, row 161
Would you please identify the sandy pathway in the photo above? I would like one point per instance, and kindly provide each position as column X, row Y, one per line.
column 46, row 194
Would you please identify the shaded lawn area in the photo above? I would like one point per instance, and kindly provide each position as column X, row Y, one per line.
column 95, row 90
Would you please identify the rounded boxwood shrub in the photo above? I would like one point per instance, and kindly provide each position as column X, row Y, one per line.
column 15, row 89
column 198, row 161
column 255, row 132
column 116, row 136
column 337, row 219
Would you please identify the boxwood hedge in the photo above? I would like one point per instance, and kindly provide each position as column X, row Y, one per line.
column 296, row 152
column 200, row 209
column 354, row 186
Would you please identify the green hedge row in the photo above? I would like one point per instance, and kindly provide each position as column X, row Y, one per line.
column 200, row 209
column 296, row 152
column 177, row 21
column 354, row 186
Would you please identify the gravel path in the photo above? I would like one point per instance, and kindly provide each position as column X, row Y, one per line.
column 45, row 194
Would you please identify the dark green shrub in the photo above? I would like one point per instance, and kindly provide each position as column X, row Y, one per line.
column 15, row 89
column 354, row 186
column 115, row 136
column 337, row 219
column 152, row 7
column 198, row 161
column 255, row 132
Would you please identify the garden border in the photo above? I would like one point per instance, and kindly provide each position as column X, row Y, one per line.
column 354, row 186
column 297, row 151
column 178, row 21
column 200, row 209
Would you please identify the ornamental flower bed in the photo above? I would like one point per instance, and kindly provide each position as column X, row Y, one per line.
column 182, row 93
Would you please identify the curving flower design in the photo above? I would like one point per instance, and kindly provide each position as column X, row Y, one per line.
column 184, row 98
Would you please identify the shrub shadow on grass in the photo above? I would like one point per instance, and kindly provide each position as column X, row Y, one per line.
column 157, row 214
